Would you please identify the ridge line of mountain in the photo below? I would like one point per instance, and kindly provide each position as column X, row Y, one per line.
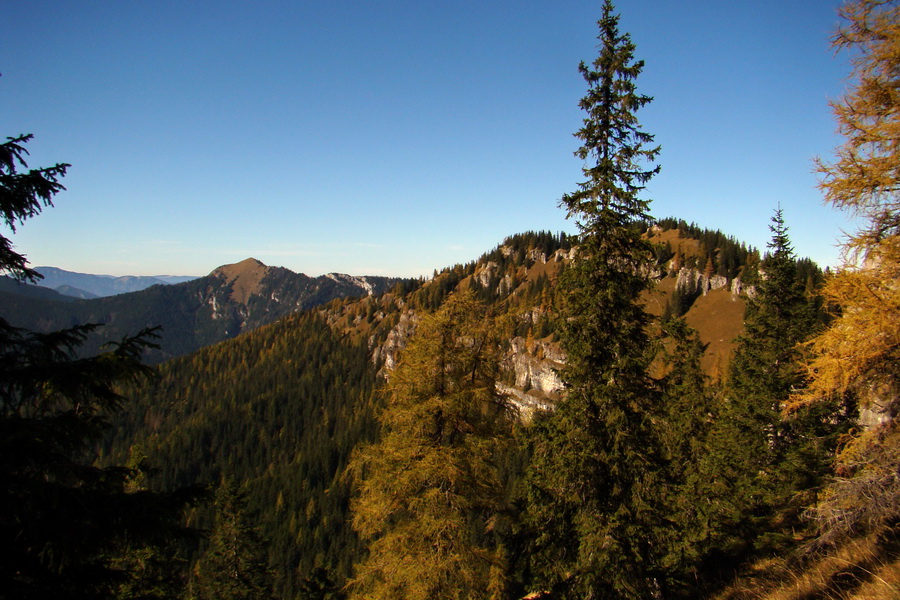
column 230, row 300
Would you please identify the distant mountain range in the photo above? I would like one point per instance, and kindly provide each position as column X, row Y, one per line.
column 196, row 313
column 85, row 285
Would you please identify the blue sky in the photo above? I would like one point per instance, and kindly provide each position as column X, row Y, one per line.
column 397, row 137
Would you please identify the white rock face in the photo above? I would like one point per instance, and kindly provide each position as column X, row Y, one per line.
column 537, row 256
column 564, row 255
column 359, row 282
column 716, row 282
column 526, row 404
column 365, row 285
column 691, row 280
column 877, row 408
column 396, row 340
column 487, row 273
column 739, row 289
column 537, row 370
column 534, row 373
column 687, row 280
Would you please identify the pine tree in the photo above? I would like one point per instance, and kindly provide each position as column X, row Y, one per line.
column 776, row 320
column 234, row 567
column 594, row 484
column 429, row 493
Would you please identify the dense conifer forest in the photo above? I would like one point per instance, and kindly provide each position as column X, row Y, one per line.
column 557, row 419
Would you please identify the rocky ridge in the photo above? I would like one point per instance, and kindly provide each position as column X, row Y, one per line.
column 508, row 277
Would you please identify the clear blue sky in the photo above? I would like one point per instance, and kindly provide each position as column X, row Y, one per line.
column 397, row 137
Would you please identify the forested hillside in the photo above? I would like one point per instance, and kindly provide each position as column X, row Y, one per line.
column 281, row 409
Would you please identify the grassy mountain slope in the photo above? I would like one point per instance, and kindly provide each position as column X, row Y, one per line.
column 865, row 567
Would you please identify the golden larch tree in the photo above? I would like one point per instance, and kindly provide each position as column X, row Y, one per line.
column 861, row 350
column 428, row 492
column 858, row 355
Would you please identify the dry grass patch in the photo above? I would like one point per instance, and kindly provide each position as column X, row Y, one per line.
column 866, row 568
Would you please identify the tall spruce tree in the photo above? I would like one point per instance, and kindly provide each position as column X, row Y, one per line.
column 684, row 424
column 429, row 492
column 595, row 475
column 777, row 318
column 758, row 460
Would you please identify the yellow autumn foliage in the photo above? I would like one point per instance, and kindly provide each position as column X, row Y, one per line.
column 858, row 355
column 859, row 352
column 428, row 491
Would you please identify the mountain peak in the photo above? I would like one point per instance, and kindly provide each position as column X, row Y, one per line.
column 245, row 277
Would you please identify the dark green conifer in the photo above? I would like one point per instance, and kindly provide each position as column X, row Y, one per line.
column 758, row 460
column 594, row 484
column 23, row 194
column 67, row 527
column 683, row 424
column 152, row 571
column 234, row 567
